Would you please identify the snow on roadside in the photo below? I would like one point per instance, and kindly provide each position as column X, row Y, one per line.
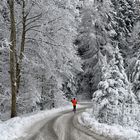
column 115, row 132
column 17, row 127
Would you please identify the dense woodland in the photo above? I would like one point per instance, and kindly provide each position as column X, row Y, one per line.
column 38, row 61
column 108, row 44
column 53, row 50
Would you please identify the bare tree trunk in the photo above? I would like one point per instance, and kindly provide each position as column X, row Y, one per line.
column 22, row 45
column 13, row 59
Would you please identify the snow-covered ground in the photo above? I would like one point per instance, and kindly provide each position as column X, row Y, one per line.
column 115, row 132
column 18, row 127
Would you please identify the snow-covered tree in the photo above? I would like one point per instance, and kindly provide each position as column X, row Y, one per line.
column 124, row 18
column 54, row 49
column 114, row 93
column 136, row 79
column 46, row 56
column 93, row 41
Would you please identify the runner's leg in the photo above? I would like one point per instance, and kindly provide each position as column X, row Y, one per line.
column 74, row 108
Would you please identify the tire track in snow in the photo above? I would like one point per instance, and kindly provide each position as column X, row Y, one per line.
column 65, row 126
column 46, row 132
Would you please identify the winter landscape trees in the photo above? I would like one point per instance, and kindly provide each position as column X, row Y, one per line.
column 53, row 50
column 111, row 26
column 42, row 54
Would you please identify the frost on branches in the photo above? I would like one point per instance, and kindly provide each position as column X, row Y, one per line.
column 49, row 57
column 114, row 101
column 136, row 79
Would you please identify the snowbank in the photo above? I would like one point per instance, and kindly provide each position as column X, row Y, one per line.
column 115, row 132
column 18, row 127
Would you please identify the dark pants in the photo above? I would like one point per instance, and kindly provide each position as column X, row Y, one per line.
column 74, row 108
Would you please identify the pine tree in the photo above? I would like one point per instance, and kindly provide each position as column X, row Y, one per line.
column 113, row 94
column 124, row 17
column 136, row 79
column 93, row 42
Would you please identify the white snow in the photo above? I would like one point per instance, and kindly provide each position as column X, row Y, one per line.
column 18, row 127
column 115, row 132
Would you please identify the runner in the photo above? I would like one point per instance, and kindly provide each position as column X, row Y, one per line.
column 74, row 102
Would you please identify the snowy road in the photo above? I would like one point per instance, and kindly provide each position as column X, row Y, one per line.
column 64, row 126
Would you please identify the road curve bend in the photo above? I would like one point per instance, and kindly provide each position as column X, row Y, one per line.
column 65, row 126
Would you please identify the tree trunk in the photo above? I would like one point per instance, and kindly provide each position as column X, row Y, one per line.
column 13, row 59
column 19, row 65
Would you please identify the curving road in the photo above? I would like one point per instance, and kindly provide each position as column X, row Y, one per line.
column 64, row 126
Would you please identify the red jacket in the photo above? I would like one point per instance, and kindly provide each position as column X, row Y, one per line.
column 74, row 102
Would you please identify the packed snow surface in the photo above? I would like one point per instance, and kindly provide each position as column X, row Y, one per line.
column 115, row 132
column 18, row 127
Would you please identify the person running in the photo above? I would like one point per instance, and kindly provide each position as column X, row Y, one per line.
column 74, row 102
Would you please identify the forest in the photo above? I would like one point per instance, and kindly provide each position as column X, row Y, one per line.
column 54, row 50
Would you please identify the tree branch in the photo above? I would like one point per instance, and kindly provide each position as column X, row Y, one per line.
column 54, row 19
column 34, row 26
column 36, row 16
column 45, row 42
column 33, row 21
